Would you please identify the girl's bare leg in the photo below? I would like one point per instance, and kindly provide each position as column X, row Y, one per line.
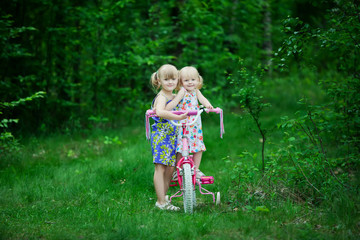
column 159, row 183
column 197, row 159
column 167, row 178
column 178, row 157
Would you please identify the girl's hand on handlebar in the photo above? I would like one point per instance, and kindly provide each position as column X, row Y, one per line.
column 182, row 116
column 209, row 106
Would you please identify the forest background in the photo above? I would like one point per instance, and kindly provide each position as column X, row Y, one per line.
column 76, row 66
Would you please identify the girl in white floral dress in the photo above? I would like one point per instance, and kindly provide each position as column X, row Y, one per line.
column 191, row 80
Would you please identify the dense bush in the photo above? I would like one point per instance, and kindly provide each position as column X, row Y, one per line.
column 318, row 158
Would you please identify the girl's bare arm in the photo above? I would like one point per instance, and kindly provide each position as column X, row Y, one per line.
column 203, row 99
column 171, row 105
column 160, row 110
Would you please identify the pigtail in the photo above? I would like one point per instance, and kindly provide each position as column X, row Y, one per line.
column 154, row 81
column 201, row 81
column 178, row 86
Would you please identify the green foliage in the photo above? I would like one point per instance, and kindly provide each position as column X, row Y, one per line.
column 328, row 45
column 8, row 34
column 316, row 163
column 109, row 141
column 322, row 142
column 246, row 87
column 8, row 143
column 320, row 149
column 96, row 58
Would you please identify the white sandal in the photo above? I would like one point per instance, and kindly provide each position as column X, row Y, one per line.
column 174, row 177
column 199, row 174
column 167, row 206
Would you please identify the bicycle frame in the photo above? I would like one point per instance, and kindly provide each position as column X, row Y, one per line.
column 187, row 159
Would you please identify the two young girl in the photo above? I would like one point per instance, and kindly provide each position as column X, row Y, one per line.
column 165, row 138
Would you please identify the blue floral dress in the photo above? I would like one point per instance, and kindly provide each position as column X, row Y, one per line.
column 163, row 141
column 193, row 132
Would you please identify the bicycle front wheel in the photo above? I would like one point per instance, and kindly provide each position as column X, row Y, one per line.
column 188, row 189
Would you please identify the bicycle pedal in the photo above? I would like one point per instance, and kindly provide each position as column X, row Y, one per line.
column 174, row 183
column 207, row 180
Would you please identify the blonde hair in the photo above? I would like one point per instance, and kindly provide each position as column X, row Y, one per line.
column 190, row 72
column 165, row 71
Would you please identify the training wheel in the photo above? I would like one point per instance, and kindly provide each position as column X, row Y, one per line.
column 218, row 198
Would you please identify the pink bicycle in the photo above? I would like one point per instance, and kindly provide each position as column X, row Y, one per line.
column 185, row 168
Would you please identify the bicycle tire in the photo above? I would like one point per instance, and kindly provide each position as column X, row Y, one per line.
column 194, row 198
column 218, row 200
column 188, row 189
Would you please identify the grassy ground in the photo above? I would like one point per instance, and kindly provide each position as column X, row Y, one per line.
column 99, row 186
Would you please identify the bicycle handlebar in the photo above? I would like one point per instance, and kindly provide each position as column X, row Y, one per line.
column 152, row 113
column 188, row 124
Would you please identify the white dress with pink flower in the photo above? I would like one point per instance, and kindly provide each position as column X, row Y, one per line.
column 194, row 132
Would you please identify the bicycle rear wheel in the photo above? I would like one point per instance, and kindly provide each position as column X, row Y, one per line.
column 188, row 189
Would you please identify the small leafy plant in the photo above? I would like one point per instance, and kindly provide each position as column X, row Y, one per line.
column 247, row 92
column 8, row 142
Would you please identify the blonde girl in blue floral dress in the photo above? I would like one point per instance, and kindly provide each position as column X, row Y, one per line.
column 191, row 80
column 163, row 136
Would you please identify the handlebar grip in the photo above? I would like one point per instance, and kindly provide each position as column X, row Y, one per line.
column 215, row 110
column 150, row 112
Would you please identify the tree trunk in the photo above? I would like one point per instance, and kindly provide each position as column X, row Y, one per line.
column 267, row 44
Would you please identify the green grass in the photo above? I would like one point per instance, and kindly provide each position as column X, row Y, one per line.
column 78, row 187
column 99, row 185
